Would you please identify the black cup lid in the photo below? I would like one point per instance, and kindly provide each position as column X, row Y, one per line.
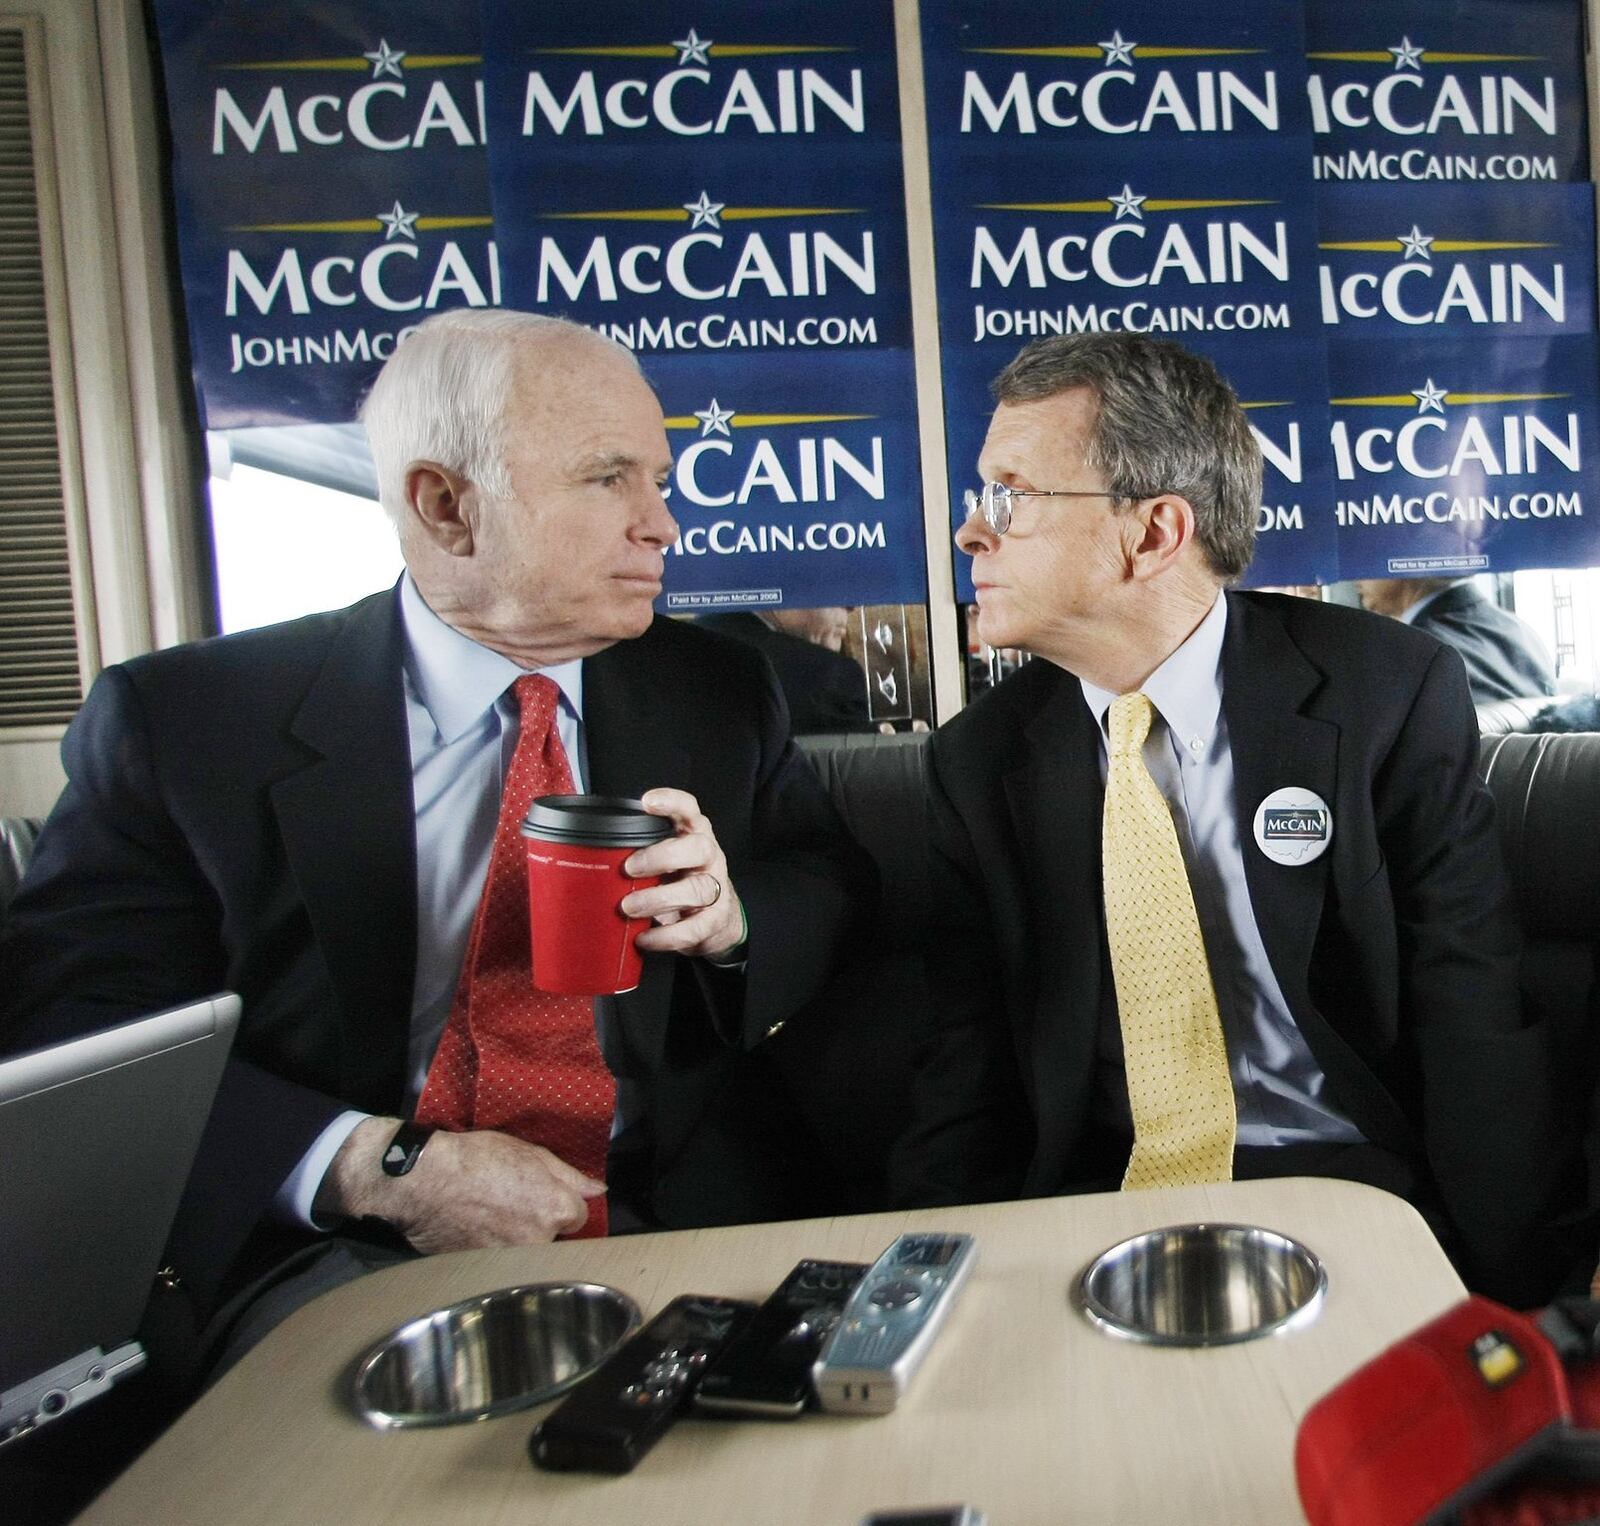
column 604, row 821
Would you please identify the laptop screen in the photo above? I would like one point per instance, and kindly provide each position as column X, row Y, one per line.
column 97, row 1136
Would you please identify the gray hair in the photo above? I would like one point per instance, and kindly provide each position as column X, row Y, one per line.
column 1166, row 423
column 442, row 396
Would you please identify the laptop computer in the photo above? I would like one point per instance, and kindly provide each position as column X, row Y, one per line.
column 97, row 1136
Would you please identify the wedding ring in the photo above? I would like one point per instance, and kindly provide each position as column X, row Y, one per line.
column 718, row 896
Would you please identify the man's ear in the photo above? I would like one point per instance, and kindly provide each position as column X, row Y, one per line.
column 443, row 504
column 1160, row 530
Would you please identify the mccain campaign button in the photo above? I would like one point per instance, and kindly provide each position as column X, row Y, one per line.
column 1293, row 826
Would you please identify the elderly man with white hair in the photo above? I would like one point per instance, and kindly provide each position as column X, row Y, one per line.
column 306, row 814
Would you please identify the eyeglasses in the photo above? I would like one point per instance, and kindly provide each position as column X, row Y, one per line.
column 993, row 501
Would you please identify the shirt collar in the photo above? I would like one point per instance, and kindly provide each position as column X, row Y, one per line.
column 457, row 680
column 1186, row 690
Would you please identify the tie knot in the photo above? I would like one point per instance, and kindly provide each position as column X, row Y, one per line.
column 536, row 698
column 1130, row 718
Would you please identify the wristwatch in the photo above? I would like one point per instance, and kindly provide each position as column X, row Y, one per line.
column 405, row 1145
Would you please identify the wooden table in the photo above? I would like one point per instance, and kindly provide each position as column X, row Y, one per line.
column 1023, row 1409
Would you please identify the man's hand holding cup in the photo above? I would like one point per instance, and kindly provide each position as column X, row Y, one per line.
column 695, row 909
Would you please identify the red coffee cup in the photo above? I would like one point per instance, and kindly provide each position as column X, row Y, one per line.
column 576, row 846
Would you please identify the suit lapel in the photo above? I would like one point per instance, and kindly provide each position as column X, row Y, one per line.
column 1055, row 795
column 632, row 742
column 631, row 726
column 349, row 832
column 1267, row 686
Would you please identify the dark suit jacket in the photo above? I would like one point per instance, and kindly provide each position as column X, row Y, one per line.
column 1395, row 950
column 1504, row 657
column 824, row 689
column 239, row 815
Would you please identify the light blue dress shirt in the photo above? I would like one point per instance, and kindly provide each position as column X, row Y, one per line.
column 463, row 731
column 1279, row 1089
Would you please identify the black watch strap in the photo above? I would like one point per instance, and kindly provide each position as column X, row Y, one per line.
column 404, row 1146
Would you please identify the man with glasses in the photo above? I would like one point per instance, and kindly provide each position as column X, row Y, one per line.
column 1226, row 895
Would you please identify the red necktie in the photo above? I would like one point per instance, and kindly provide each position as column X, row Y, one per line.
column 513, row 1058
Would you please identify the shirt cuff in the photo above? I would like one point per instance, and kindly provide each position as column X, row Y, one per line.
column 292, row 1204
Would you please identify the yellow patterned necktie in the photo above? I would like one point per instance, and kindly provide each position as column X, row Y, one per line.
column 1179, row 1088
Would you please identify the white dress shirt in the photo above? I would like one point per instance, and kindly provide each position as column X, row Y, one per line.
column 1279, row 1089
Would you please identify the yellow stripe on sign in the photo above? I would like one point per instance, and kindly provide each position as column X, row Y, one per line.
column 744, row 214
column 1384, row 56
column 1248, row 406
column 1456, row 399
column 361, row 225
column 1044, row 206
column 1158, row 204
column 1482, row 58
column 407, row 61
column 1061, row 52
column 1139, row 50
column 682, row 214
column 1393, row 400
column 770, row 420
column 1469, row 245
column 1439, row 245
column 643, row 50
column 349, row 225
column 1504, row 397
column 765, row 49
column 305, row 63
column 628, row 215
column 1142, row 51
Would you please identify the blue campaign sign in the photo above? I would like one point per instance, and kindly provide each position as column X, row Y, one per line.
column 1117, row 167
column 332, row 189
column 795, row 484
column 788, row 73
column 1419, row 261
column 1127, row 243
column 1118, row 247
column 717, row 254
column 1447, row 90
column 727, row 200
column 731, row 186
column 1464, row 455
column 1088, row 74
column 1281, row 381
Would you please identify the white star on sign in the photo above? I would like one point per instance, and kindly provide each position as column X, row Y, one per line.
column 1117, row 51
column 714, row 420
column 691, row 50
column 1127, row 204
column 1429, row 397
column 386, row 60
column 704, row 212
column 1406, row 56
column 1416, row 244
column 397, row 223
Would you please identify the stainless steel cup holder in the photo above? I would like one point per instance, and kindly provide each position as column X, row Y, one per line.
column 492, row 1354
column 1203, row 1285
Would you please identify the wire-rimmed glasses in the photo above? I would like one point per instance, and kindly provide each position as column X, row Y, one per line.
column 994, row 499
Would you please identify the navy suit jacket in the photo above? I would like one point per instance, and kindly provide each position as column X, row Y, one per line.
column 1504, row 657
column 239, row 815
column 824, row 689
column 1395, row 950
